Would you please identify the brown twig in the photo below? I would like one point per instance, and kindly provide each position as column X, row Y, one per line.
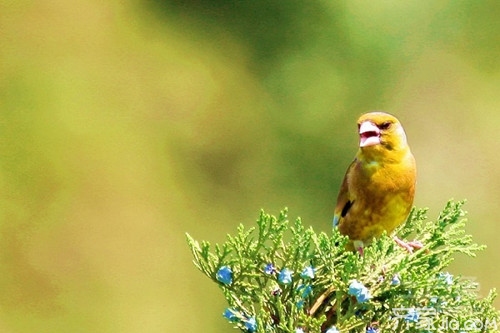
column 320, row 300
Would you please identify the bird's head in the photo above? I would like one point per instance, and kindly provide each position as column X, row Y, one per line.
column 380, row 130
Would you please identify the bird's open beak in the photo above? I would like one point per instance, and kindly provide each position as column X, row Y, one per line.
column 369, row 134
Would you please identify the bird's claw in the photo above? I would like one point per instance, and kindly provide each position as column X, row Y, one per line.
column 410, row 246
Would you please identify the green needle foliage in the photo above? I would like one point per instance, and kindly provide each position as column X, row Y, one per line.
column 284, row 277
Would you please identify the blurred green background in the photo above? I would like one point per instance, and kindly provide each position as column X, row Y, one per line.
column 124, row 125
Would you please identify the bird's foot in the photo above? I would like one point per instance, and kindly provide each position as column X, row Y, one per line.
column 410, row 246
column 359, row 246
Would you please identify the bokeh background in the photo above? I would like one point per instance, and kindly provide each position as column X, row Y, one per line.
column 126, row 124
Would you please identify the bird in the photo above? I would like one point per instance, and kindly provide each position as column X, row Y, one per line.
column 378, row 189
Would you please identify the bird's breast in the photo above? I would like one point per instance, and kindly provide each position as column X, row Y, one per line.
column 382, row 196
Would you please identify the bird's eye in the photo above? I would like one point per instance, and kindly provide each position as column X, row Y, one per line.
column 385, row 125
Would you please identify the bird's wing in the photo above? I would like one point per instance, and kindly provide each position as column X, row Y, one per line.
column 344, row 202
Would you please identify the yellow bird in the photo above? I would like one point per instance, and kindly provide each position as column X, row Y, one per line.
column 377, row 192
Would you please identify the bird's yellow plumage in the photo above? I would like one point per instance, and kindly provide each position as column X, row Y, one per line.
column 379, row 186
